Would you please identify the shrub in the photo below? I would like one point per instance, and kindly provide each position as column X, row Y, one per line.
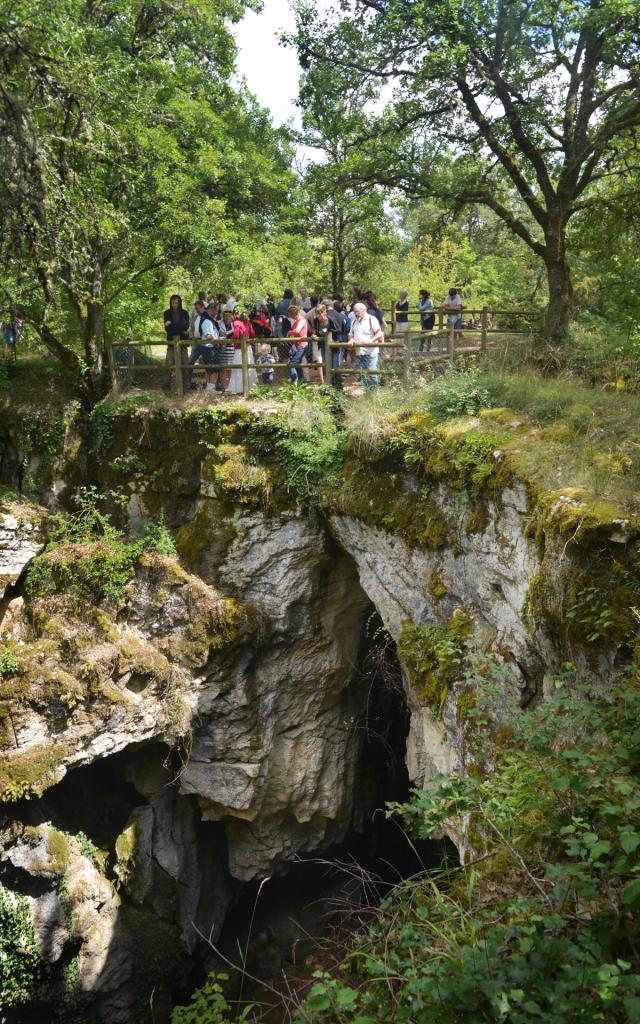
column 541, row 923
column 21, row 968
column 207, row 1006
column 87, row 555
column 457, row 392
column 307, row 440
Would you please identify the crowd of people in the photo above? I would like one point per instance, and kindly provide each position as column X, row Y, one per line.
column 293, row 331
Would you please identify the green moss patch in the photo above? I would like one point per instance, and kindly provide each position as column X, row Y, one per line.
column 30, row 772
column 388, row 500
column 434, row 656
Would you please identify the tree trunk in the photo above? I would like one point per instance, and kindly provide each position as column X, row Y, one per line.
column 94, row 343
column 334, row 272
column 340, row 276
column 556, row 322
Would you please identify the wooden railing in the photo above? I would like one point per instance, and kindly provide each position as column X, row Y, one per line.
column 401, row 350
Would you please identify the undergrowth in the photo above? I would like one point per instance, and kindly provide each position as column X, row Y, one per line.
column 558, row 432
column 87, row 555
column 306, row 436
column 541, row 923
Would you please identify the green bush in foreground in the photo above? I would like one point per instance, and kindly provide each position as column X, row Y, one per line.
column 541, row 924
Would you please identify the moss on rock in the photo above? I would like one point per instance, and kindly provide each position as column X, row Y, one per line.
column 30, row 772
column 434, row 656
column 388, row 501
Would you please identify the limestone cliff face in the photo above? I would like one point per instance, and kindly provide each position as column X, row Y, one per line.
column 21, row 540
column 212, row 702
column 251, row 683
column 488, row 576
column 492, row 577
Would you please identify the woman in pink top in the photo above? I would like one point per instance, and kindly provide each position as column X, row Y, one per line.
column 239, row 330
column 300, row 346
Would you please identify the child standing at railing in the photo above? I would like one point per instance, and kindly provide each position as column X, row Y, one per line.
column 265, row 358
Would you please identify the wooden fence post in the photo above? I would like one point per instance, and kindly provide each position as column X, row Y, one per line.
column 245, row 365
column 440, row 320
column 483, row 335
column 406, row 360
column 452, row 344
column 177, row 361
column 393, row 319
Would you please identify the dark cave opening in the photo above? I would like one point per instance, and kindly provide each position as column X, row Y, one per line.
column 285, row 927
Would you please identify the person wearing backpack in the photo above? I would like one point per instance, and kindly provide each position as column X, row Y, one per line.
column 206, row 330
column 366, row 329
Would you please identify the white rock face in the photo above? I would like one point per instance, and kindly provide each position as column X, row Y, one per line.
column 84, row 907
column 277, row 751
column 487, row 576
column 20, row 540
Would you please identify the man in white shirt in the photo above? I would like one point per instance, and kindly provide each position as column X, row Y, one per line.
column 452, row 304
column 304, row 301
column 365, row 329
column 207, row 331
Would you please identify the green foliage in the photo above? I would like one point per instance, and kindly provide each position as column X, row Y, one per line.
column 498, row 158
column 208, row 1006
column 457, row 392
column 157, row 537
column 435, row 656
column 306, row 439
column 8, row 662
column 21, row 968
column 87, row 555
column 541, row 924
column 593, row 615
column 160, row 156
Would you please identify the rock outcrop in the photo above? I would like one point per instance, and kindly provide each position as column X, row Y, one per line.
column 253, row 690
column 488, row 576
column 218, row 693
column 21, row 539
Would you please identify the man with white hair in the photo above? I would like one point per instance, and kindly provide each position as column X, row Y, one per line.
column 365, row 329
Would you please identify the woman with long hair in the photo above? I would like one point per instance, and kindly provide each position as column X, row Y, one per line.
column 176, row 325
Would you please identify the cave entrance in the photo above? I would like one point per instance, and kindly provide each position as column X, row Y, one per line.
column 284, row 928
